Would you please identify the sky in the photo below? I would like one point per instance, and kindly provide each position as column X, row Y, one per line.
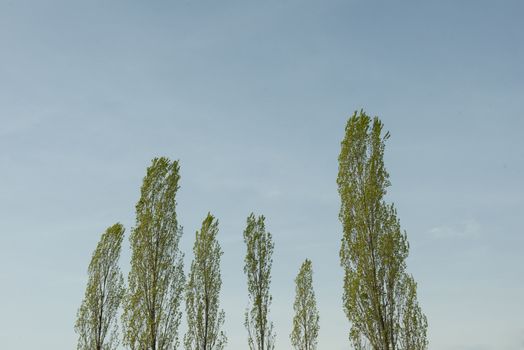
column 252, row 98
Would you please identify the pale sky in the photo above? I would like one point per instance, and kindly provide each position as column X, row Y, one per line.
column 252, row 97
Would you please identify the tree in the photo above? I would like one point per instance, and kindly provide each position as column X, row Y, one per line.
column 96, row 318
column 305, row 323
column 204, row 320
column 414, row 327
column 156, row 280
column 379, row 296
column 257, row 268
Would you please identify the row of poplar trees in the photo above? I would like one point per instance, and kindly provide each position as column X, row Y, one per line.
column 379, row 296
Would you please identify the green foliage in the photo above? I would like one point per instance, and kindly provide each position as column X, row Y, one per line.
column 203, row 289
column 156, row 281
column 257, row 268
column 379, row 296
column 96, row 319
column 414, row 327
column 305, row 323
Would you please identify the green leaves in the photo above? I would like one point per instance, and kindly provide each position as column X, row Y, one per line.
column 204, row 320
column 379, row 297
column 413, row 330
column 305, row 322
column 156, row 281
column 96, row 319
column 257, row 267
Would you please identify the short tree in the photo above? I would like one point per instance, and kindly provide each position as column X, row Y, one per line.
column 96, row 319
column 305, row 322
column 379, row 296
column 258, row 261
column 156, row 280
column 204, row 320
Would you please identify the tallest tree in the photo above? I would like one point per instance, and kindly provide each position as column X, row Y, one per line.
column 379, row 296
column 156, row 280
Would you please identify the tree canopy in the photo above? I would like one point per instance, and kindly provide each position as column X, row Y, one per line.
column 156, row 281
column 204, row 319
column 305, row 322
column 258, row 262
column 379, row 295
column 96, row 322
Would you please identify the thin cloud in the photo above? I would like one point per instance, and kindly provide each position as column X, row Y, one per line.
column 467, row 229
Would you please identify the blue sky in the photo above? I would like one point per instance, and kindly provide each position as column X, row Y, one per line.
column 252, row 97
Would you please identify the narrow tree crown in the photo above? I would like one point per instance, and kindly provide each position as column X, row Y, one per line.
column 258, row 261
column 156, row 281
column 203, row 291
column 305, row 322
column 96, row 319
column 379, row 296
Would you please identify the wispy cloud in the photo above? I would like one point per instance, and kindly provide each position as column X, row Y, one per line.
column 466, row 229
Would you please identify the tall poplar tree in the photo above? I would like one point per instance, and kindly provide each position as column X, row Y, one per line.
column 204, row 320
column 96, row 322
column 379, row 295
column 156, row 280
column 305, row 322
column 258, row 261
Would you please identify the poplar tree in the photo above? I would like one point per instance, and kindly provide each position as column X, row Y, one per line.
column 156, row 280
column 305, row 322
column 96, row 318
column 204, row 320
column 258, row 261
column 379, row 295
